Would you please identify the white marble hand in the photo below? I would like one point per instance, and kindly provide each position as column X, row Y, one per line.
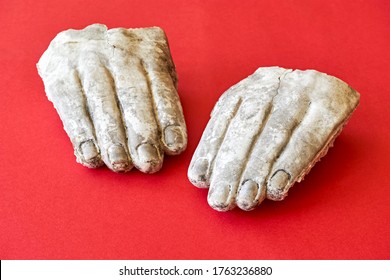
column 116, row 94
column 266, row 133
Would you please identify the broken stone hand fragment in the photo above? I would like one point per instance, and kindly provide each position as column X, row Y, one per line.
column 116, row 94
column 266, row 133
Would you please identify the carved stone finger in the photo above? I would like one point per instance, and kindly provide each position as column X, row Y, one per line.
column 168, row 111
column 100, row 92
column 331, row 103
column 65, row 91
column 234, row 151
column 138, row 110
column 159, row 71
column 201, row 166
column 287, row 108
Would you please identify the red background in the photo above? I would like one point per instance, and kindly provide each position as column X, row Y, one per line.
column 53, row 208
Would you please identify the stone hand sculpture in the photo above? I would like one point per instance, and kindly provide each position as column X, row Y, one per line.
column 116, row 94
column 266, row 133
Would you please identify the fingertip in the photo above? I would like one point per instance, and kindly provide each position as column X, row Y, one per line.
column 250, row 195
column 198, row 173
column 219, row 197
column 150, row 158
column 278, row 185
column 175, row 139
column 119, row 160
column 88, row 154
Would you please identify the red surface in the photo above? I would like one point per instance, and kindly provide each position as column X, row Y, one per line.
column 53, row 208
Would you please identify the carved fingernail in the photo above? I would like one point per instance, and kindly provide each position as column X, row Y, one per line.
column 174, row 138
column 246, row 197
column 218, row 197
column 90, row 154
column 88, row 149
column 199, row 172
column 277, row 185
column 118, row 158
column 149, row 157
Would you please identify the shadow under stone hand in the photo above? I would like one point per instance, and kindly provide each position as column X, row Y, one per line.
column 266, row 133
column 116, row 94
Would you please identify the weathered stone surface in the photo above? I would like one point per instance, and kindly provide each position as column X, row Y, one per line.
column 116, row 94
column 266, row 133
